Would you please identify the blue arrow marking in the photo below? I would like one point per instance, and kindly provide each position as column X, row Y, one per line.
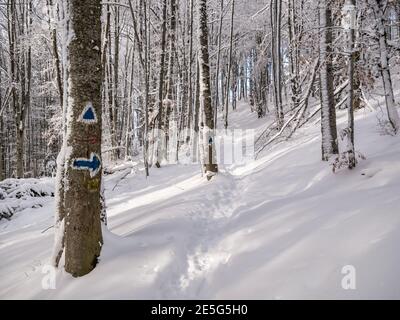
column 88, row 114
column 93, row 164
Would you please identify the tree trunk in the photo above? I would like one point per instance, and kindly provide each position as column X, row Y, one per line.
column 328, row 112
column 350, row 34
column 83, row 238
column 115, row 81
column 190, row 93
column 15, row 101
column 217, row 80
column 160, row 119
column 171, row 106
column 293, row 55
column 211, row 168
column 2, row 171
column 229, row 66
column 197, row 100
column 54, row 47
column 393, row 115
column 276, row 13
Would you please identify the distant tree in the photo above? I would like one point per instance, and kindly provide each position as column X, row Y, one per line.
column 378, row 8
column 352, row 88
column 207, row 125
column 328, row 112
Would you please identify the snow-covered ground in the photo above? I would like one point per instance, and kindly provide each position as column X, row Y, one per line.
column 281, row 227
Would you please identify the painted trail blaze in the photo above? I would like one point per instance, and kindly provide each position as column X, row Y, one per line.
column 88, row 114
column 93, row 164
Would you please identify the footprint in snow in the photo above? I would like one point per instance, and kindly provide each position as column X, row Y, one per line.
column 370, row 172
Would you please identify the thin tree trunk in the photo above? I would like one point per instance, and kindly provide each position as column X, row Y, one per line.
column 221, row 17
column 190, row 94
column 60, row 208
column 328, row 112
column 115, row 109
column 15, row 102
column 350, row 92
column 393, row 115
column 229, row 65
column 2, row 173
column 54, row 47
column 160, row 146
column 276, row 7
column 146, row 69
column 144, row 63
column 293, row 55
column 196, row 124
column 207, row 126
column 171, row 106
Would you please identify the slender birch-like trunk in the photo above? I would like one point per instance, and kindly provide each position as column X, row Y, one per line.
column 229, row 66
column 328, row 112
column 207, row 126
column 393, row 115
column 350, row 40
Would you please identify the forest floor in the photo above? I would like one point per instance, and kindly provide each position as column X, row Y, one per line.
column 280, row 227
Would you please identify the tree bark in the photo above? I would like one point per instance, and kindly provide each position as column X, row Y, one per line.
column 54, row 47
column 229, row 66
column 171, row 105
column 393, row 115
column 350, row 35
column 190, row 75
column 15, row 101
column 207, row 126
column 276, row 13
column 115, row 90
column 160, row 118
column 83, row 238
column 293, row 55
column 328, row 112
column 217, row 80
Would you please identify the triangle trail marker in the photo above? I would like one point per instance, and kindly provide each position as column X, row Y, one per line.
column 88, row 114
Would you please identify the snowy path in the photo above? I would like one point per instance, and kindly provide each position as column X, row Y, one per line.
column 280, row 227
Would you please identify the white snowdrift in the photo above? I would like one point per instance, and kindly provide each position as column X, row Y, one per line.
column 283, row 226
column 19, row 194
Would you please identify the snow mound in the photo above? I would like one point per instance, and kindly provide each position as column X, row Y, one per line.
column 280, row 227
column 19, row 194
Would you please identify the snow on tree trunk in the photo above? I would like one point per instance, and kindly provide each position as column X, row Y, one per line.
column 54, row 47
column 190, row 74
column 2, row 175
column 82, row 141
column 160, row 145
column 207, row 125
column 58, row 248
column 328, row 113
column 385, row 71
column 217, row 80
column 276, row 15
column 229, row 66
column 293, row 54
column 17, row 106
column 350, row 40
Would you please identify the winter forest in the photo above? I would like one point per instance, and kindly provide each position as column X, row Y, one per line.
column 199, row 149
